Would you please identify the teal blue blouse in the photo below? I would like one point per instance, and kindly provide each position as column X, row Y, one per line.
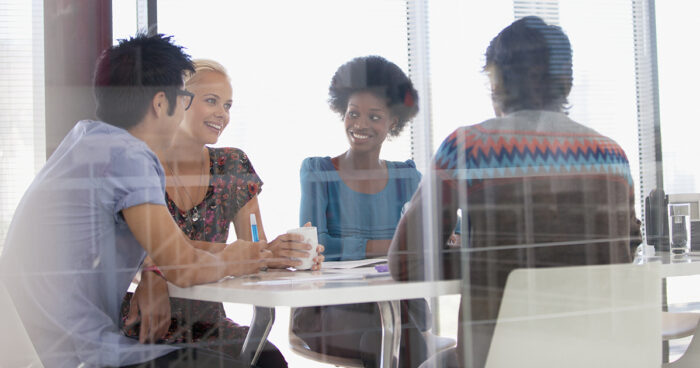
column 346, row 219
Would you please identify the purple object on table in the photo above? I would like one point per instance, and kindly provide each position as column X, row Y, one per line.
column 382, row 268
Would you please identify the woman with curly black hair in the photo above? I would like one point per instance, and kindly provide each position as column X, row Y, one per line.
column 355, row 200
column 375, row 99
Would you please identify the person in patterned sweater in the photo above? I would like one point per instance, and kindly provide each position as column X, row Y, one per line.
column 207, row 189
column 536, row 188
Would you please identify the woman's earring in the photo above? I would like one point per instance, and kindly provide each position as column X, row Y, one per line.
column 393, row 130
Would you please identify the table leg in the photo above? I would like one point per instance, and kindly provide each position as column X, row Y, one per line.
column 390, row 313
column 260, row 326
column 396, row 313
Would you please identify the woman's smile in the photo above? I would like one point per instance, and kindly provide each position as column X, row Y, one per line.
column 217, row 127
column 359, row 136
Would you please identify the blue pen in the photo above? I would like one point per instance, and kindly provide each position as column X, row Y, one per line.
column 254, row 227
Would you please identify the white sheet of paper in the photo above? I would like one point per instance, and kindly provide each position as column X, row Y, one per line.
column 352, row 264
column 309, row 278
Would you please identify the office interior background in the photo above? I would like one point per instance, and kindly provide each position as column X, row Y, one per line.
column 634, row 73
column 281, row 55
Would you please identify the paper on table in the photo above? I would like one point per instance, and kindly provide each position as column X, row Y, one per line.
column 309, row 278
column 352, row 264
column 330, row 275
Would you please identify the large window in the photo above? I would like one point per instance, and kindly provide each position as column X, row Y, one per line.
column 677, row 78
column 281, row 56
column 603, row 94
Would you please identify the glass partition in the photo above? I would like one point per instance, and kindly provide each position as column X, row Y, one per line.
column 545, row 195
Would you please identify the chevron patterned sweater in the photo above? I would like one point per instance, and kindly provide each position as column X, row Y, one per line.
column 537, row 190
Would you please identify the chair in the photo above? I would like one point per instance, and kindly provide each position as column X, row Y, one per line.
column 300, row 347
column 677, row 325
column 438, row 343
column 582, row 316
column 16, row 350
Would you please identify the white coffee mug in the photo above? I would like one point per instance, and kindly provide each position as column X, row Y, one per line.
column 311, row 237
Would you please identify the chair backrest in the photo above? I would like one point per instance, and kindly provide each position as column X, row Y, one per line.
column 16, row 350
column 582, row 316
column 691, row 356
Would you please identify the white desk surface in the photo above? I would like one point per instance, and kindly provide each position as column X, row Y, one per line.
column 276, row 288
column 328, row 287
column 684, row 266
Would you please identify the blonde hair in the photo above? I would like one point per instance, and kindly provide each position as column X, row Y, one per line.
column 204, row 65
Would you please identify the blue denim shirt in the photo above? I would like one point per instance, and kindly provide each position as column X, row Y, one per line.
column 346, row 219
column 69, row 256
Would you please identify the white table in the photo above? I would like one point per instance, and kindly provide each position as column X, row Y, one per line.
column 271, row 289
column 684, row 266
column 274, row 288
column 672, row 267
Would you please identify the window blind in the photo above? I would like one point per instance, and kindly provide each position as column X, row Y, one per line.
column 419, row 70
column 22, row 140
column 677, row 65
column 545, row 9
column 647, row 93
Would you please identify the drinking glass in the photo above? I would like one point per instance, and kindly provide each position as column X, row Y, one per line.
column 679, row 228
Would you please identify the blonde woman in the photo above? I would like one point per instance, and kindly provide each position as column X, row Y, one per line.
column 207, row 189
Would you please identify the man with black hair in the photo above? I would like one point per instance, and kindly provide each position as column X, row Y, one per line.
column 536, row 188
column 97, row 208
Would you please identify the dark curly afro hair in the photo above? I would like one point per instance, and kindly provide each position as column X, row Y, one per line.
column 380, row 77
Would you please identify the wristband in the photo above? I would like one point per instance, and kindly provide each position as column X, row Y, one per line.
column 153, row 269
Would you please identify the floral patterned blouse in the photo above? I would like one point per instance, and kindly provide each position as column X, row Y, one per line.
column 233, row 183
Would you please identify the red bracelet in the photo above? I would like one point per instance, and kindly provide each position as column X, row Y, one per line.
column 153, row 269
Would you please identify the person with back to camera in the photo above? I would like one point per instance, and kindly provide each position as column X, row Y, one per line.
column 529, row 176
column 355, row 200
column 100, row 204
column 206, row 190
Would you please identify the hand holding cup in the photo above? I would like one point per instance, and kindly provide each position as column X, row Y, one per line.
column 310, row 236
column 297, row 248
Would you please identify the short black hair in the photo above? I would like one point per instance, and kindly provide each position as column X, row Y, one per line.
column 530, row 63
column 128, row 75
column 380, row 77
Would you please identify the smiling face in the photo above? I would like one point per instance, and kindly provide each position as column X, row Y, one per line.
column 209, row 114
column 367, row 122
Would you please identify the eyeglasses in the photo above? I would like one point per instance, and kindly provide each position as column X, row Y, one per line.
column 188, row 97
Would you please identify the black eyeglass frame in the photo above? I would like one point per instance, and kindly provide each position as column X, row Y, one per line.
column 184, row 92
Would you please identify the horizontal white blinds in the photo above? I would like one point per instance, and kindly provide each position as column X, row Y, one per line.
column 22, row 149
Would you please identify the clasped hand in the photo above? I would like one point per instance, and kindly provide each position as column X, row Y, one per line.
column 150, row 307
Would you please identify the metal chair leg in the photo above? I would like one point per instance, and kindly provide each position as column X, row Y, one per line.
column 260, row 327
